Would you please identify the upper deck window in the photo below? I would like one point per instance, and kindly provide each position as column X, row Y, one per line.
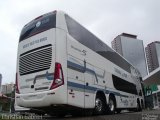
column 38, row 25
column 85, row 37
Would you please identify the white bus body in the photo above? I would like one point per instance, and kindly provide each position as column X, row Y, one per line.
column 20, row 109
column 58, row 67
column 23, row 110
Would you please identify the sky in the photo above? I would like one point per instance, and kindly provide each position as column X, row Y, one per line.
column 105, row 18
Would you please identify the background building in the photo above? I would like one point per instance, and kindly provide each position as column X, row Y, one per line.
column 132, row 49
column 153, row 61
column 7, row 89
column 153, row 55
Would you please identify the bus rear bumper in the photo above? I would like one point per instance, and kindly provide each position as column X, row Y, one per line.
column 42, row 99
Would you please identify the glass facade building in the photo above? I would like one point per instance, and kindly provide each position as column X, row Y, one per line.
column 131, row 49
column 153, row 55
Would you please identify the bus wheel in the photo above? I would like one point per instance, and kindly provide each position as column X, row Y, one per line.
column 111, row 105
column 138, row 106
column 99, row 105
column 142, row 105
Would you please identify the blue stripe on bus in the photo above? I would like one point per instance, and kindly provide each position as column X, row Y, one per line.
column 80, row 68
column 75, row 66
column 77, row 85
column 80, row 86
column 83, row 69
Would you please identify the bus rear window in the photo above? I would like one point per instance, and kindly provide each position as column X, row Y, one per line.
column 38, row 25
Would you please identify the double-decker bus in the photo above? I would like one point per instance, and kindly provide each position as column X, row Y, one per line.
column 61, row 66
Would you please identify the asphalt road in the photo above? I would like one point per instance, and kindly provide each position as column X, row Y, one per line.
column 145, row 115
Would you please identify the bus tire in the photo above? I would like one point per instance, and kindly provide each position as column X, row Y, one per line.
column 138, row 108
column 99, row 105
column 142, row 104
column 111, row 105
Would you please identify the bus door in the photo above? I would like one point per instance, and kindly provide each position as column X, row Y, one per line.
column 89, row 76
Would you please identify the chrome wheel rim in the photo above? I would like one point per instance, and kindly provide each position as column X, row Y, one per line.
column 111, row 105
column 98, row 105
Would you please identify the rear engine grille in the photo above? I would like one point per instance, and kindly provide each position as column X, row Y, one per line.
column 36, row 60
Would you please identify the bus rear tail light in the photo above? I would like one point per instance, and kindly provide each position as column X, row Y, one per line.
column 16, row 84
column 58, row 76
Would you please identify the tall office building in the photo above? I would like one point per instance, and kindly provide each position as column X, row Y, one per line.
column 153, row 55
column 8, row 88
column 131, row 49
